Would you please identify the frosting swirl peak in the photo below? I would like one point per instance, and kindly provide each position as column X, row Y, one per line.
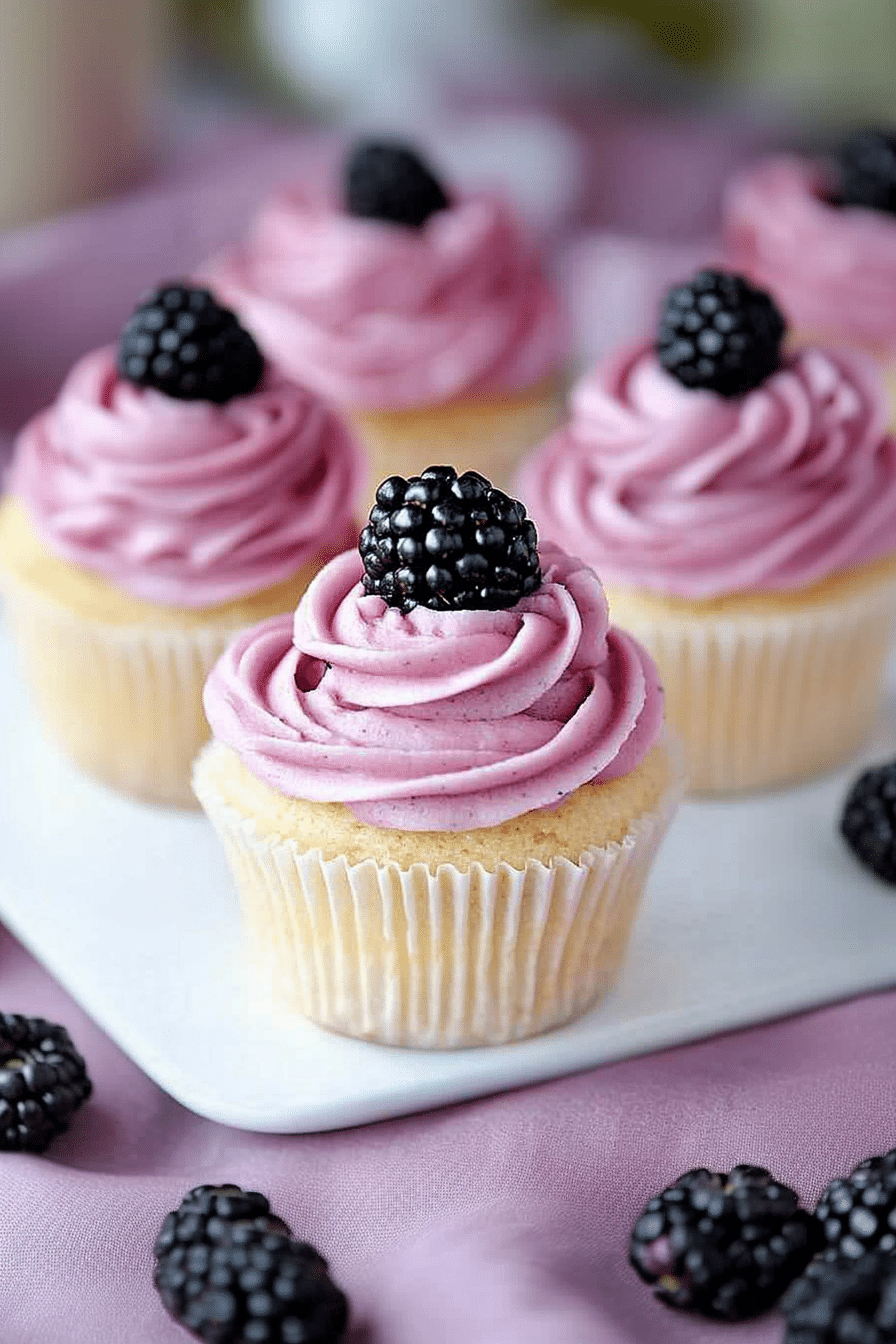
column 687, row 493
column 376, row 316
column 437, row 720
column 186, row 503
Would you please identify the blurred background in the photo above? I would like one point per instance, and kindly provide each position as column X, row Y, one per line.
column 138, row 135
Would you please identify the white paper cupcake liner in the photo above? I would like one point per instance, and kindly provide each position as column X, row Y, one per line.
column 123, row 702
column 434, row 959
column 764, row 701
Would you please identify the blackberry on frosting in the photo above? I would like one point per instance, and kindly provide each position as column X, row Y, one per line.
column 720, row 333
column 867, row 163
column 448, row 542
column 387, row 180
column 181, row 341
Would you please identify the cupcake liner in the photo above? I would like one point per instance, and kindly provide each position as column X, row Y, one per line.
column 486, row 434
column 124, row 702
column 761, row 701
column 412, row 957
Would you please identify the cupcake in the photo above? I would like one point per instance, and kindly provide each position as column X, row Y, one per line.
column 424, row 316
column 440, row 784
column 740, row 504
column 822, row 236
column 175, row 492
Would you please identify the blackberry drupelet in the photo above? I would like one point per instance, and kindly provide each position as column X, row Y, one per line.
column 229, row 1271
column 720, row 333
column 43, row 1081
column 868, row 171
column 204, row 1210
column 725, row 1246
column 180, row 341
column 858, row 1212
column 843, row 1301
column 448, row 542
column 388, row 180
column 868, row 824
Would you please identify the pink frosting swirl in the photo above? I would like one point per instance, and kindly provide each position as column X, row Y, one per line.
column 186, row 503
column 374, row 315
column 437, row 720
column 833, row 268
column 685, row 492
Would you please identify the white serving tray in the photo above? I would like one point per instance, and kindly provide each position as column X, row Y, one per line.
column 755, row 910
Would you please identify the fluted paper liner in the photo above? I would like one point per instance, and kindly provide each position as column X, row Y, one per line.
column 123, row 702
column 763, row 701
column 435, row 959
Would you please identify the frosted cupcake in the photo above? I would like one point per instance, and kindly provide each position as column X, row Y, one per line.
column 822, row 236
column 741, row 505
column 174, row 493
column 425, row 317
column 441, row 783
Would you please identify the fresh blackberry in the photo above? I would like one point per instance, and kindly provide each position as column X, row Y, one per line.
column 387, row 180
column 723, row 1245
column 43, row 1081
column 843, row 1301
column 229, row 1271
column 180, row 341
column 868, row 171
column 868, row 823
column 449, row 542
column 858, row 1212
column 720, row 333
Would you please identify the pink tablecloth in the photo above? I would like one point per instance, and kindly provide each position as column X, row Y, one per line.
column 504, row 1221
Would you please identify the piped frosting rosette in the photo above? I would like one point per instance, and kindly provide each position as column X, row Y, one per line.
column 833, row 267
column 186, row 503
column 684, row 492
column 438, row 720
column 375, row 316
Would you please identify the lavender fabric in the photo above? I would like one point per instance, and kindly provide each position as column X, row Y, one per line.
column 503, row 1221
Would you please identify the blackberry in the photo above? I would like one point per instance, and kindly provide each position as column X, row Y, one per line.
column 720, row 333
column 723, row 1245
column 387, row 180
column 868, row 171
column 180, row 341
column 843, row 1301
column 868, row 823
column 858, row 1212
column 43, row 1081
column 229, row 1271
column 449, row 542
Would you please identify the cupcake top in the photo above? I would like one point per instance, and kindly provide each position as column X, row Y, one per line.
column 146, row 469
column 428, row 715
column 397, row 294
column 822, row 236
column 688, row 491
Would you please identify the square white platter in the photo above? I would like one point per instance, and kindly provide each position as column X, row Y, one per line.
column 755, row 909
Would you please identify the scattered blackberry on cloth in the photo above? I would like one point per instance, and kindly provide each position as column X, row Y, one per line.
column 229, row 1271
column 180, row 341
column 43, row 1081
column 868, row 171
column 868, row 824
column 387, row 180
column 720, row 333
column 448, row 542
column 858, row 1212
column 723, row 1245
column 843, row 1301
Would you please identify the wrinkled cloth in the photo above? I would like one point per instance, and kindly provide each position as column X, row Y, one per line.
column 501, row 1221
